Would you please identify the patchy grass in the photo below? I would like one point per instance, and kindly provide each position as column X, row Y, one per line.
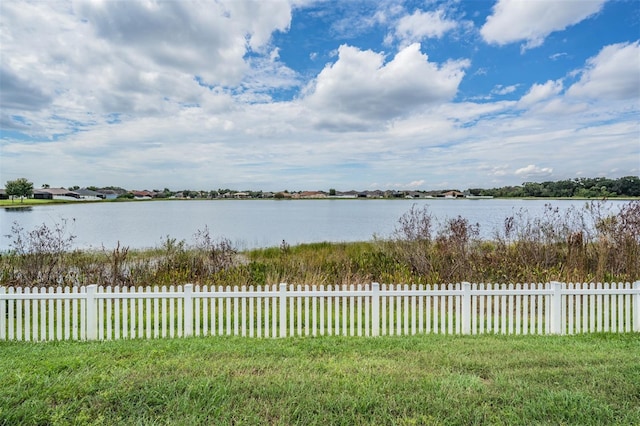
column 429, row 379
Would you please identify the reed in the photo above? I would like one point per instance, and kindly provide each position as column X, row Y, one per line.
column 592, row 244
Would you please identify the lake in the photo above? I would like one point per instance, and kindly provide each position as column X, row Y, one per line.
column 257, row 223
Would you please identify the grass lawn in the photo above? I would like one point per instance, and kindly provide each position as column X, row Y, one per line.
column 24, row 203
column 588, row 379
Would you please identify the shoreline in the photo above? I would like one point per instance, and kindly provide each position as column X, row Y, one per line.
column 29, row 203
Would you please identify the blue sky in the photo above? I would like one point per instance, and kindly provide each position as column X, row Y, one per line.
column 312, row 95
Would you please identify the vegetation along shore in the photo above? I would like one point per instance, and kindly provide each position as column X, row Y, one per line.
column 586, row 188
column 588, row 244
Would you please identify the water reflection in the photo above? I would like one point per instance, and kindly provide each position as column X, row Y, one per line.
column 18, row 209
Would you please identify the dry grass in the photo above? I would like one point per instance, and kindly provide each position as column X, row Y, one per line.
column 592, row 244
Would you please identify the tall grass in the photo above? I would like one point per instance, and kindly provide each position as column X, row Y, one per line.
column 592, row 244
column 577, row 245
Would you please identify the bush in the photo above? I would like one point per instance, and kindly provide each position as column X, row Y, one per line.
column 38, row 256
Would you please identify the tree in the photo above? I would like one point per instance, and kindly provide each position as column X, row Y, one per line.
column 20, row 187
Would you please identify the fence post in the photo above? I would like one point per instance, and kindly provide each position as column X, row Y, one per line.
column 556, row 308
column 636, row 307
column 283, row 309
column 188, row 310
column 375, row 309
column 466, row 308
column 3, row 314
column 91, row 320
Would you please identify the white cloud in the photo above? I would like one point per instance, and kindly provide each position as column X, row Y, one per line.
column 421, row 25
column 557, row 56
column 541, row 92
column 198, row 37
column 533, row 21
column 504, row 90
column 136, row 57
column 416, row 184
column 533, row 171
column 498, row 171
column 612, row 74
column 359, row 87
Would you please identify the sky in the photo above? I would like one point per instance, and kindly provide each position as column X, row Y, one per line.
column 311, row 95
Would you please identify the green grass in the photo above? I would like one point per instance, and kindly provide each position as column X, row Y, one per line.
column 403, row 380
column 26, row 202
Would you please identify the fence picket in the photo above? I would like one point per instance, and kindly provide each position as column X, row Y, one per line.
column 453, row 304
column 15, row 315
column 619, row 308
column 3, row 315
column 627, row 310
column 31, row 324
column 51, row 312
column 148, row 313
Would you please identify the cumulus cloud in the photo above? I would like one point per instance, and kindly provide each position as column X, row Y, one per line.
column 148, row 58
column 541, row 92
column 360, row 87
column 204, row 38
column 421, row 25
column 614, row 73
column 533, row 21
column 533, row 171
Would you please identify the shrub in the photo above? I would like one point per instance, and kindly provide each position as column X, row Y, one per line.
column 575, row 245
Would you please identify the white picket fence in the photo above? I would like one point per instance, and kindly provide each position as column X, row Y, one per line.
column 92, row 312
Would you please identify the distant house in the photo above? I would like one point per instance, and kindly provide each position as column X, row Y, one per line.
column 40, row 194
column 452, row 194
column 55, row 194
column 89, row 195
column 311, row 194
column 3, row 194
column 375, row 194
column 347, row 194
column 108, row 194
column 241, row 195
column 142, row 195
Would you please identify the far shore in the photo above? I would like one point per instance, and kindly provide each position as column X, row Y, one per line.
column 30, row 202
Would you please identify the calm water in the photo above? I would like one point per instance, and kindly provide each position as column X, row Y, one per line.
column 255, row 223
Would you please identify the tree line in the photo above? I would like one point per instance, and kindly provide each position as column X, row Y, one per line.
column 599, row 187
